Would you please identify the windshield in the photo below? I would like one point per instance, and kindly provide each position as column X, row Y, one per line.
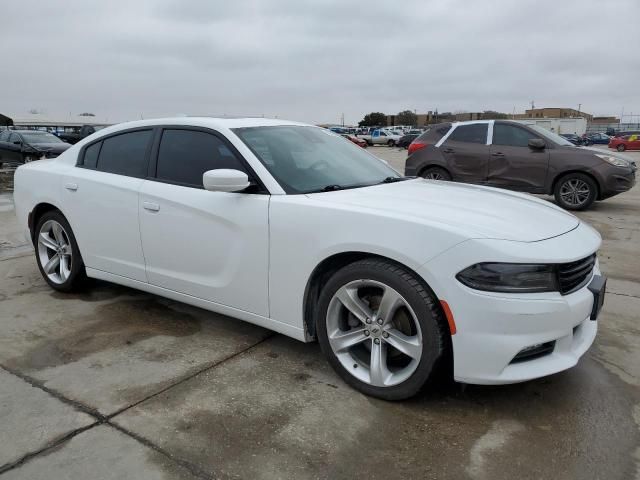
column 42, row 137
column 551, row 136
column 308, row 159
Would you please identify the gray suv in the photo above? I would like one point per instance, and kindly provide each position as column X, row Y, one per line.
column 527, row 158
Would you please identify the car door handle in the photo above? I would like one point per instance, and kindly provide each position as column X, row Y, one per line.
column 498, row 154
column 152, row 207
column 448, row 150
column 71, row 186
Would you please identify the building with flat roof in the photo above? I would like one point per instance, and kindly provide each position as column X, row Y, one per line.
column 53, row 123
column 553, row 112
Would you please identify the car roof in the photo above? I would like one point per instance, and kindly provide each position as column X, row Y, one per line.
column 211, row 122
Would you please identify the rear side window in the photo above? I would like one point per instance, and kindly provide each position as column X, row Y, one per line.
column 4, row 136
column 474, row 133
column 511, row 136
column 184, row 155
column 125, row 154
column 91, row 155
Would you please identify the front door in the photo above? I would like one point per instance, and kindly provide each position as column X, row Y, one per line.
column 210, row 245
column 467, row 154
column 513, row 163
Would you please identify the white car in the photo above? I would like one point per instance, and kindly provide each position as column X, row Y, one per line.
column 288, row 226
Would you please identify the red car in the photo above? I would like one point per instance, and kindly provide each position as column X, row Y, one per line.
column 358, row 141
column 628, row 142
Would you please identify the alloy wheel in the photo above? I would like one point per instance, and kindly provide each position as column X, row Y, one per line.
column 54, row 252
column 374, row 333
column 433, row 175
column 575, row 192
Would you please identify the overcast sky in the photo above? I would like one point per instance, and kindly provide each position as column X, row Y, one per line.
column 314, row 60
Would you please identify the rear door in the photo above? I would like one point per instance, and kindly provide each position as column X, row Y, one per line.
column 102, row 202
column 467, row 153
column 513, row 163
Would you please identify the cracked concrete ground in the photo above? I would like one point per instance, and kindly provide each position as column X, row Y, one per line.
column 115, row 383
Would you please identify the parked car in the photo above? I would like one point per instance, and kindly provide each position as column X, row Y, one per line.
column 281, row 225
column 599, row 138
column 628, row 142
column 358, row 141
column 573, row 138
column 84, row 131
column 626, row 133
column 21, row 146
column 382, row 136
column 520, row 157
column 406, row 140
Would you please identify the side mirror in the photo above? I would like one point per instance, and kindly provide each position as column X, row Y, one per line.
column 17, row 142
column 225, row 180
column 536, row 143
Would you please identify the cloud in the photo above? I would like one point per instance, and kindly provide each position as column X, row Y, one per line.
column 313, row 61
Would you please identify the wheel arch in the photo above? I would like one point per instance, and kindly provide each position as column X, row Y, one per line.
column 582, row 172
column 327, row 267
column 37, row 212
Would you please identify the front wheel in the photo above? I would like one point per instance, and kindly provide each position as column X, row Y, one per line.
column 435, row 173
column 381, row 330
column 576, row 191
column 57, row 253
column 621, row 147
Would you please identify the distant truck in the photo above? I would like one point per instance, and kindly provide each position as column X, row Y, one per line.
column 85, row 131
column 381, row 136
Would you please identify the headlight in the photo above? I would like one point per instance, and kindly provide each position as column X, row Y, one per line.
column 509, row 277
column 618, row 162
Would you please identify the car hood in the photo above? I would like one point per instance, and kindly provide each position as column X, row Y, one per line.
column 609, row 152
column 480, row 212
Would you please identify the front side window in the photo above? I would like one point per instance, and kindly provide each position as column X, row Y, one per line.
column 511, row 136
column 14, row 137
column 308, row 159
column 125, row 154
column 4, row 136
column 184, row 155
column 474, row 133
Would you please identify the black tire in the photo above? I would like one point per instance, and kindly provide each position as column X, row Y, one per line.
column 391, row 143
column 428, row 313
column 621, row 147
column 77, row 276
column 436, row 173
column 562, row 187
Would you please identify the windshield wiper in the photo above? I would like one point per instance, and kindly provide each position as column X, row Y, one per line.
column 395, row 179
column 328, row 188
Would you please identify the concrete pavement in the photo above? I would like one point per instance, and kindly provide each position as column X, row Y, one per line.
column 115, row 383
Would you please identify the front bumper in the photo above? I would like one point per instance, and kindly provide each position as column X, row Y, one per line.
column 492, row 328
column 618, row 183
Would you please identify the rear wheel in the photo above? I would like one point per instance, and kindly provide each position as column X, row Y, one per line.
column 380, row 329
column 435, row 173
column 621, row 147
column 391, row 143
column 576, row 191
column 57, row 253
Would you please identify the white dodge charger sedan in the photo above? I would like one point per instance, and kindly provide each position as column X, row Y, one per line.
column 292, row 227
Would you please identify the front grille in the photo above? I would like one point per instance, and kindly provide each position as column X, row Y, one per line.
column 573, row 276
